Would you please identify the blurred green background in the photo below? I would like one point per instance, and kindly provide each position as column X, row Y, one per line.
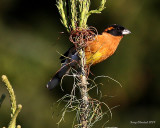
column 30, row 36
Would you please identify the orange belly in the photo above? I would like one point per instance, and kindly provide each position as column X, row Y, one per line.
column 101, row 48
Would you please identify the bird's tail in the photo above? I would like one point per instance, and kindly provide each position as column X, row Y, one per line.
column 57, row 77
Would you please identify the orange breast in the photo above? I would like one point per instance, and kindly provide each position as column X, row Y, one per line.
column 101, row 48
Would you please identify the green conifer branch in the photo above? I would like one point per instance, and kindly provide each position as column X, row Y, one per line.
column 11, row 94
column 99, row 10
column 61, row 5
column 84, row 8
column 13, row 120
column 78, row 12
column 14, row 108
column 73, row 8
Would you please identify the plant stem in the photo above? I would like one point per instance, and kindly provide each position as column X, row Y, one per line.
column 83, row 91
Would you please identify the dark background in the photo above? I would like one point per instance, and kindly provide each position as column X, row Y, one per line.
column 31, row 35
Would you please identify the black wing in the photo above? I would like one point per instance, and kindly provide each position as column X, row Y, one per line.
column 71, row 50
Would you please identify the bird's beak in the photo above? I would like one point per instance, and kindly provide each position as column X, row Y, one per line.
column 125, row 32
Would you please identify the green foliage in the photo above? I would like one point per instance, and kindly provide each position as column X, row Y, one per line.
column 61, row 5
column 73, row 8
column 101, row 7
column 12, row 123
column 11, row 94
column 14, row 108
column 79, row 12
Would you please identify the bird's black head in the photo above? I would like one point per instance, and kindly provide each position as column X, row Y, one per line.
column 117, row 30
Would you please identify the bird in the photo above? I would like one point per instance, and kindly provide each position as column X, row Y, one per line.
column 96, row 51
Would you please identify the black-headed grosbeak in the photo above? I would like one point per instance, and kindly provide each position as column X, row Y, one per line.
column 96, row 51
